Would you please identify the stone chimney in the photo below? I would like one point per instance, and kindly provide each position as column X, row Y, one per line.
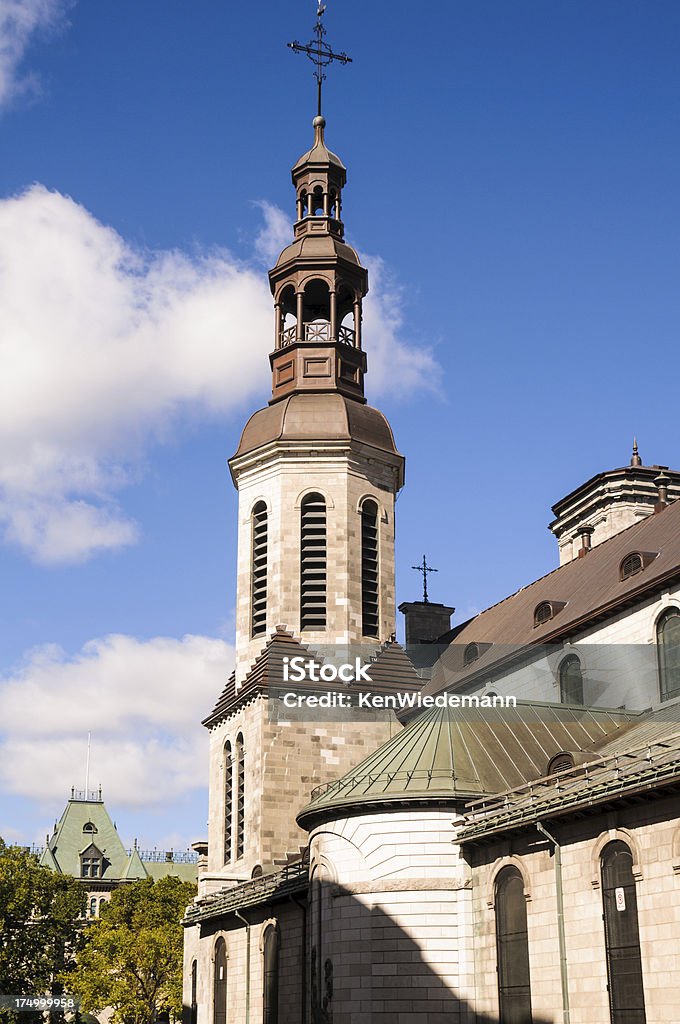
column 426, row 621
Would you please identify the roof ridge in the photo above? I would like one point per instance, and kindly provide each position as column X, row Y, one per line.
column 559, row 568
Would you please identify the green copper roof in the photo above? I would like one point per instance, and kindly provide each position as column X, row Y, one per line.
column 134, row 867
column 82, row 823
column 455, row 755
column 87, row 823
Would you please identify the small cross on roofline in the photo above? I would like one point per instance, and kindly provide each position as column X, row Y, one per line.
column 424, row 568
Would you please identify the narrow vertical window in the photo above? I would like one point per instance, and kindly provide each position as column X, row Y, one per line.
column 271, row 976
column 622, row 936
column 313, row 563
column 369, row 568
column 668, row 640
column 194, row 993
column 240, row 797
column 258, row 570
column 228, row 801
column 220, row 983
column 512, row 944
column 571, row 681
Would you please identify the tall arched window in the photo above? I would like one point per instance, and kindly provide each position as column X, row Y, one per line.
column 622, row 936
column 258, row 570
column 220, row 983
column 228, row 801
column 512, row 945
column 240, row 797
column 369, row 568
column 571, row 680
column 194, row 993
column 271, row 976
column 668, row 640
column 313, row 562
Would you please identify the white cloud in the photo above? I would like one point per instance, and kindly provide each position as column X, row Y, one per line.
column 275, row 233
column 20, row 20
column 141, row 700
column 394, row 366
column 104, row 346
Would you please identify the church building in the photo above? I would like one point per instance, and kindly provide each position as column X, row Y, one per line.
column 440, row 861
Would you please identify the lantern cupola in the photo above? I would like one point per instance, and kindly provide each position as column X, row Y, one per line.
column 318, row 286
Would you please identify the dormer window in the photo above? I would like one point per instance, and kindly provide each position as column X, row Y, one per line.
column 91, row 862
column 471, row 654
column 635, row 562
column 547, row 610
column 560, row 762
column 90, row 867
column 630, row 565
column 89, row 828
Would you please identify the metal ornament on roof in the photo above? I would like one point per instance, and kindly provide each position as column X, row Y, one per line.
column 424, row 568
column 319, row 52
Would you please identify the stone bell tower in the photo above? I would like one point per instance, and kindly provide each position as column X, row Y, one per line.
column 317, row 470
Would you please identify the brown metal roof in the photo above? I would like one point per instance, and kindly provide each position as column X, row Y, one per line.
column 317, row 417
column 390, row 671
column 588, row 588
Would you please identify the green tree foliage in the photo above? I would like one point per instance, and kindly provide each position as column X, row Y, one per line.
column 39, row 922
column 131, row 959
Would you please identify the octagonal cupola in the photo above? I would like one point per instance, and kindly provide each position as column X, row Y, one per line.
column 318, row 285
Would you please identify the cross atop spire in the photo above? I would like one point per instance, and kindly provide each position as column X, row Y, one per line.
column 424, row 568
column 319, row 52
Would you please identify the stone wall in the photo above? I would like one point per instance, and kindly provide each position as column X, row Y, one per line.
column 284, row 761
column 653, row 833
column 345, row 474
column 396, row 918
column 200, row 943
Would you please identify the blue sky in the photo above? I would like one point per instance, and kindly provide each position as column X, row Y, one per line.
column 513, row 176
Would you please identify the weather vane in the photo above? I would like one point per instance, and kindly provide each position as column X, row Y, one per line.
column 424, row 568
column 319, row 52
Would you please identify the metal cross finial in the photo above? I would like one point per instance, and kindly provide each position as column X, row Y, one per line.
column 424, row 568
column 319, row 52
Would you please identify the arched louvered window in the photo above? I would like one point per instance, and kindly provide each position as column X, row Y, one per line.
column 514, row 989
column 193, row 1009
column 668, row 641
column 622, row 936
column 240, row 797
column 470, row 654
column 631, row 565
column 369, row 569
column 228, row 801
column 271, row 976
column 313, row 562
column 542, row 613
column 571, row 680
column 220, row 983
column 562, row 761
column 258, row 572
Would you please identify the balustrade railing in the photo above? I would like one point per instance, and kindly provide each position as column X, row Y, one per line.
column 319, row 330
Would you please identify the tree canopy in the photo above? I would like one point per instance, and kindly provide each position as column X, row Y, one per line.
column 131, row 959
column 39, row 922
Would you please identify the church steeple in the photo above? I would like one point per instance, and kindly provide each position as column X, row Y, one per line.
column 318, row 286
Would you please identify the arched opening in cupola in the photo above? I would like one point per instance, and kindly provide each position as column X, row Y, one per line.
column 316, row 310
column 287, row 310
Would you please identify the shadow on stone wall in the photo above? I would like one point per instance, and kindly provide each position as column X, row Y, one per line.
column 369, row 969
